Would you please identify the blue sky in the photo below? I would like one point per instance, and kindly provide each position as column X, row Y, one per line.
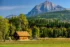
column 15, row 7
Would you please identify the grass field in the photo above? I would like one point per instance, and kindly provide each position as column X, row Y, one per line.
column 59, row 42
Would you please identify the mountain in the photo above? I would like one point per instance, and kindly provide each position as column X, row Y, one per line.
column 11, row 16
column 45, row 7
column 61, row 15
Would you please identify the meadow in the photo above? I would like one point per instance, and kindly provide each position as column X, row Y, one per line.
column 51, row 42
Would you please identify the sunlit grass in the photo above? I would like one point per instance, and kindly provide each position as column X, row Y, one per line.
column 38, row 43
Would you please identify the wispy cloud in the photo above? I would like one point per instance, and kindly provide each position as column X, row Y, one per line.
column 12, row 7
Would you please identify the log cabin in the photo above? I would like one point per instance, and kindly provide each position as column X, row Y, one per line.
column 21, row 35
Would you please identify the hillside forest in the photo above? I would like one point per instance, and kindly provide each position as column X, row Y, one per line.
column 36, row 27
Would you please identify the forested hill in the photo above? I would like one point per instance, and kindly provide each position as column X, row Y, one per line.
column 61, row 15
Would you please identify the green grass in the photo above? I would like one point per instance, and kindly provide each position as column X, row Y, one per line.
column 38, row 43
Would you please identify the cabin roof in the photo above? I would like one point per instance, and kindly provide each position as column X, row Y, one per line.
column 22, row 33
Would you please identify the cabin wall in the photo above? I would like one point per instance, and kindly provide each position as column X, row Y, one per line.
column 23, row 38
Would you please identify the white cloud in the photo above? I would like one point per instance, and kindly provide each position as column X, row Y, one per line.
column 12, row 7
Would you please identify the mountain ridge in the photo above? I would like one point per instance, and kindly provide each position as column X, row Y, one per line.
column 60, row 15
column 45, row 7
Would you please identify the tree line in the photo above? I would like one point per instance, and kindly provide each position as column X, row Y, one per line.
column 52, row 28
column 37, row 28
